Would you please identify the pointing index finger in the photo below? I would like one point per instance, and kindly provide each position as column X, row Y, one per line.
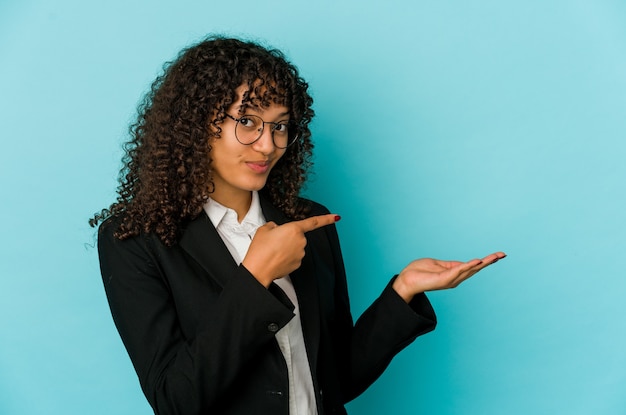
column 315, row 222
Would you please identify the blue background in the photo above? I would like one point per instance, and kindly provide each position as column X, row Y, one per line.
column 444, row 129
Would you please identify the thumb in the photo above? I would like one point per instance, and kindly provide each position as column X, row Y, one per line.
column 265, row 228
column 270, row 225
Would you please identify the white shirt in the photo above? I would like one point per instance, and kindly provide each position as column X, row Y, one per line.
column 237, row 237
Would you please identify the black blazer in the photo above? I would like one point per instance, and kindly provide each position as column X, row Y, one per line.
column 200, row 329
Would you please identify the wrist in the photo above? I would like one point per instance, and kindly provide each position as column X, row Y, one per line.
column 257, row 274
column 402, row 289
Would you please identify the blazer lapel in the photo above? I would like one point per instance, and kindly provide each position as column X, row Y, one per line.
column 201, row 240
column 305, row 284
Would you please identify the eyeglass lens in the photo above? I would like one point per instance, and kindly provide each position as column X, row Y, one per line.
column 250, row 128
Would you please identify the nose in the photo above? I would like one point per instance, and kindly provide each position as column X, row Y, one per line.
column 265, row 143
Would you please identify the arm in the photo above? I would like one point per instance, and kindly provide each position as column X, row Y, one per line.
column 365, row 349
column 394, row 320
column 184, row 373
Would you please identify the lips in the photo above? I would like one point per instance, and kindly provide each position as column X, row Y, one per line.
column 259, row 166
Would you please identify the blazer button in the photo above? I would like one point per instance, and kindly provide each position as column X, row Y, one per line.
column 273, row 327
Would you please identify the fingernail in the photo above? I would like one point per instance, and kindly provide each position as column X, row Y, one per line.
column 337, row 218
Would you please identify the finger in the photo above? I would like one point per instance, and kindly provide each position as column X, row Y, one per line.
column 479, row 263
column 462, row 277
column 495, row 257
column 465, row 274
column 470, row 268
column 270, row 225
column 267, row 227
column 457, row 267
column 315, row 222
column 448, row 264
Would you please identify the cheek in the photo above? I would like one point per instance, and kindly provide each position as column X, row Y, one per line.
column 279, row 155
column 223, row 152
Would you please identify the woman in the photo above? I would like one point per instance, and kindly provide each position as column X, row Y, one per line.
column 228, row 290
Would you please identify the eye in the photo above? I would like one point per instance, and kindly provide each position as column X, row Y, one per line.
column 250, row 122
column 281, row 127
column 246, row 122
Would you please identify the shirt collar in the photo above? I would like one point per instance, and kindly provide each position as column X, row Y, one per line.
column 219, row 213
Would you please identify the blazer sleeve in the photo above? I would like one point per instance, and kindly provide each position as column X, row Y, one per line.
column 182, row 375
column 387, row 326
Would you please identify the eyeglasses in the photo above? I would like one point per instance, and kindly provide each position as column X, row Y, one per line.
column 249, row 129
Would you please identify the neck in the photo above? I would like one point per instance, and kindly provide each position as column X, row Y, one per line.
column 239, row 202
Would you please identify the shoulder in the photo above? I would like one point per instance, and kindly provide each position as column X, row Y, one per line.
column 314, row 208
column 108, row 228
column 110, row 242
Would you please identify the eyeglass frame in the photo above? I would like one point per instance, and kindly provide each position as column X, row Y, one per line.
column 274, row 126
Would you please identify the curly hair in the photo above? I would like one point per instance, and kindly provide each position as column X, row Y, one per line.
column 166, row 176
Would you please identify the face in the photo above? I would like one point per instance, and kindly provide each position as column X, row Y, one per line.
column 239, row 169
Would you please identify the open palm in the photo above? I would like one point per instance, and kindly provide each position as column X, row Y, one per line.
column 429, row 274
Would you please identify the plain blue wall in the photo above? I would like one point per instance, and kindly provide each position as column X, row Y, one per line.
column 447, row 129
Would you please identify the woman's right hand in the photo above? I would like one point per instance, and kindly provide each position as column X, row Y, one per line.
column 277, row 250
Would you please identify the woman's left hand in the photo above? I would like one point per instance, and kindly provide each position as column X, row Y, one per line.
column 428, row 274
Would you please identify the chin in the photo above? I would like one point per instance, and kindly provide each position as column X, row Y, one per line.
column 257, row 185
